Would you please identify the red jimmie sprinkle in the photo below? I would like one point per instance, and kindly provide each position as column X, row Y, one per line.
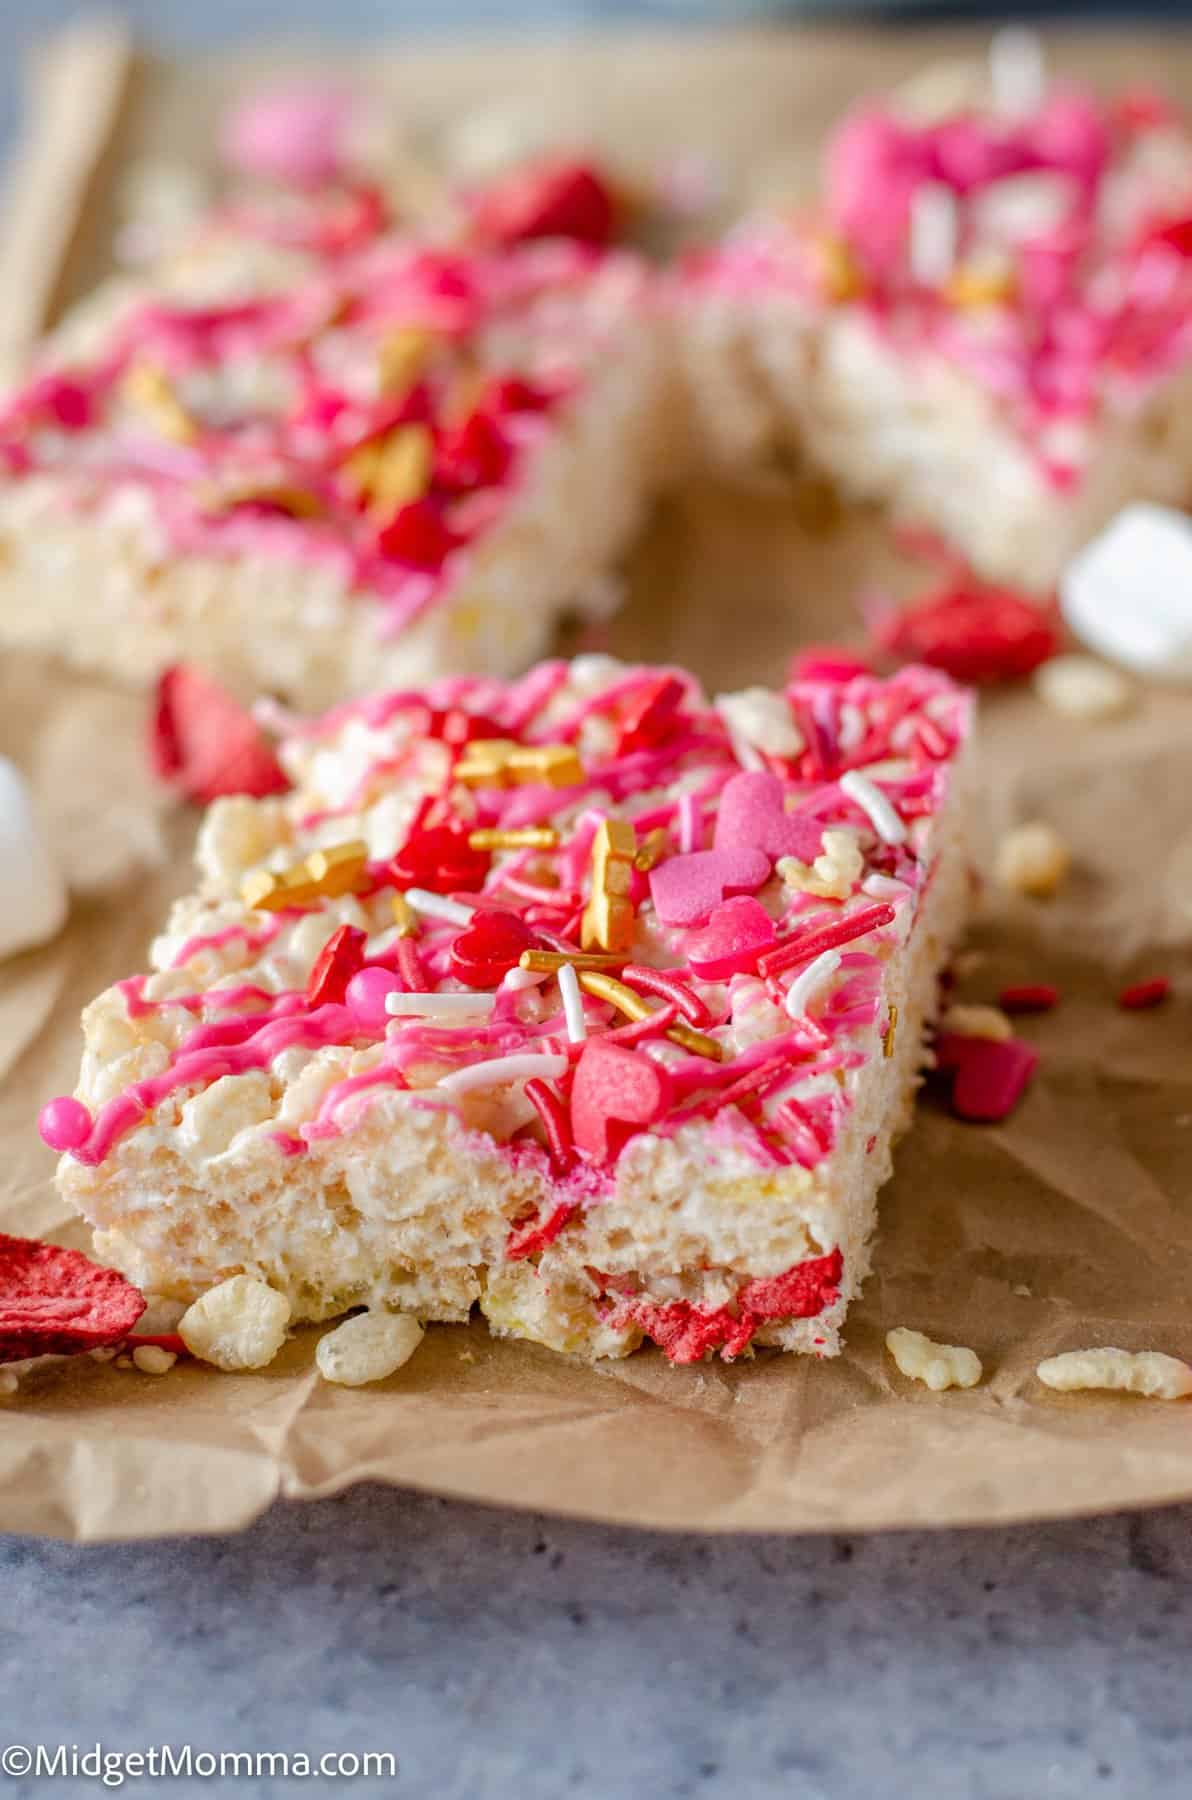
column 651, row 715
column 534, row 1238
column 206, row 744
column 557, row 1126
column 1144, row 994
column 1029, row 997
column 803, row 947
column 56, row 1302
column 341, row 957
column 974, row 633
column 990, row 1077
column 686, row 1333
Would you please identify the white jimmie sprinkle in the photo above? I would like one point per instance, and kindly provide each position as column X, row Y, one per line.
column 573, row 1004
column 805, row 987
column 500, row 1070
column 874, row 805
column 444, row 1006
column 437, row 906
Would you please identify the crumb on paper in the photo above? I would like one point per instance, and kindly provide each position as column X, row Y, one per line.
column 978, row 1021
column 1148, row 1372
column 152, row 1359
column 369, row 1347
column 1033, row 859
column 1022, row 1291
column 240, row 1324
column 9, row 1383
column 1080, row 687
column 938, row 1366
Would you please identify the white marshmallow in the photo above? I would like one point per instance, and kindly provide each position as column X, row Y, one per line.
column 1128, row 594
column 32, row 891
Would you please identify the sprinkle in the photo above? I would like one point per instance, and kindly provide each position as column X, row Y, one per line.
column 974, row 285
column 806, row 986
column 329, row 873
column 668, row 987
column 652, row 850
column 1028, row 998
column 498, row 1071
column 608, row 918
column 874, row 804
column 148, row 390
column 438, row 906
column 1017, row 71
column 401, row 357
column 698, row 1042
column 405, row 917
column 841, row 278
column 1144, row 994
column 409, row 965
column 825, row 937
column 338, row 870
column 557, row 1126
column 500, row 762
column 933, row 233
column 890, row 1033
column 517, row 980
column 573, row 1004
column 607, row 987
column 549, row 962
column 689, row 824
column 525, row 837
column 391, row 472
column 448, row 1006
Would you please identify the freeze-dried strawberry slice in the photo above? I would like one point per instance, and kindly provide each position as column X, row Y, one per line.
column 205, row 744
column 972, row 632
column 549, row 198
column 56, row 1302
column 990, row 1075
column 341, row 957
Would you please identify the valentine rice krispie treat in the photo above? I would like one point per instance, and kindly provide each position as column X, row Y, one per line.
column 986, row 323
column 580, row 999
column 407, row 461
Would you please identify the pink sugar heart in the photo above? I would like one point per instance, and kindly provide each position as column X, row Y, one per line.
column 684, row 889
column 616, row 1092
column 752, row 816
column 730, row 943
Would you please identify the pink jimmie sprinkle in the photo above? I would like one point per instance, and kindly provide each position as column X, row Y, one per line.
column 1144, row 994
column 669, row 987
column 991, row 1076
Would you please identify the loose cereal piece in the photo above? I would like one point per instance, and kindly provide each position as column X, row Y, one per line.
column 151, row 1359
column 369, row 1347
column 1147, row 1372
column 978, row 1021
column 1033, row 859
column 937, row 1366
column 1079, row 687
column 241, row 1324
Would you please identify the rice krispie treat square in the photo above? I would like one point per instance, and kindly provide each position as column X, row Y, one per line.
column 985, row 323
column 580, row 999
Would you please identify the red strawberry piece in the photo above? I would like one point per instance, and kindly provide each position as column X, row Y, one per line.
column 533, row 1239
column 510, row 394
column 341, row 957
column 488, row 947
column 58, row 1302
column 651, row 715
column 685, row 889
column 205, row 743
column 475, row 454
column 1144, row 994
column 616, row 1092
column 1030, row 997
column 685, row 1333
column 974, row 633
column 553, row 197
column 991, row 1076
column 736, row 935
column 417, row 535
column 752, row 815
column 440, row 859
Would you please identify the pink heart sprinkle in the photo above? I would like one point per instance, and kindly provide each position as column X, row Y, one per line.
column 730, row 943
column 991, row 1076
column 684, row 889
column 615, row 1093
column 752, row 816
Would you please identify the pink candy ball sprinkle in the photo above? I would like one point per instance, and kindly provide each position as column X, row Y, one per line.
column 64, row 1124
column 366, row 996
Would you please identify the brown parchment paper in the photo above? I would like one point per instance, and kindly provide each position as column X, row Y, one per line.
column 1069, row 1225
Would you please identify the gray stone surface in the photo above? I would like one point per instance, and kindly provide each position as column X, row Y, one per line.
column 505, row 1657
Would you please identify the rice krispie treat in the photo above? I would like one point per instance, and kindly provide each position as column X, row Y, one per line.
column 407, row 461
column 578, row 999
column 986, row 323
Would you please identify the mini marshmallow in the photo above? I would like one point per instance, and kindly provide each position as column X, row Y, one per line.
column 1128, row 594
column 32, row 891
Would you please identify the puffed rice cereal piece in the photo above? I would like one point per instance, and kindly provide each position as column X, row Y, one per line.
column 937, row 1366
column 151, row 1359
column 1080, row 687
column 762, row 719
column 1033, row 859
column 1148, row 1372
column 367, row 1348
column 978, row 1021
column 240, row 1324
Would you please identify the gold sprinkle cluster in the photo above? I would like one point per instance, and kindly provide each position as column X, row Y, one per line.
column 501, row 762
column 608, row 918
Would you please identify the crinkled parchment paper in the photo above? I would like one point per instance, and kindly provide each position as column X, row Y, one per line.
column 1069, row 1225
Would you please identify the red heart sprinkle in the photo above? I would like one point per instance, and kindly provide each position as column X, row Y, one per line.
column 736, row 935
column 57, row 1302
column 440, row 859
column 341, row 957
column 417, row 535
column 548, row 198
column 488, row 947
column 205, row 743
column 616, row 1093
column 752, row 816
column 685, row 889
column 650, row 716
column 475, row 454
column 991, row 1075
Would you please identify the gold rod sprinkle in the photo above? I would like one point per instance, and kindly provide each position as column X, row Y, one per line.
column 405, row 918
column 653, row 849
column 891, row 1033
column 523, row 837
column 548, row 962
column 607, row 987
